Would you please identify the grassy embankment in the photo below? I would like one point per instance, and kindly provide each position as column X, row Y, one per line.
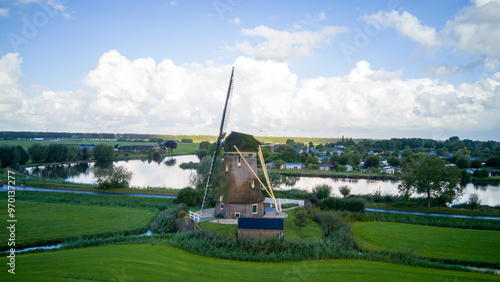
column 146, row 262
column 401, row 206
column 430, row 241
column 48, row 218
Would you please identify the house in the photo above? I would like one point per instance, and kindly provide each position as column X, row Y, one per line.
column 384, row 162
column 349, row 167
column 388, row 170
column 324, row 167
column 270, row 165
column 364, row 170
column 292, row 166
column 250, row 228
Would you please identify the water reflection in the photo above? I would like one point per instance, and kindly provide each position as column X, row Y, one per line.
column 167, row 173
column 489, row 194
column 146, row 173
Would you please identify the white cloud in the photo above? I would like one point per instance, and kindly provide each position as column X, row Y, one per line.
column 476, row 29
column 54, row 5
column 407, row 25
column 144, row 96
column 4, row 12
column 10, row 88
column 286, row 45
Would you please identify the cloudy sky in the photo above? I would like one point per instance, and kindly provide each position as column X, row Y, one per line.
column 362, row 69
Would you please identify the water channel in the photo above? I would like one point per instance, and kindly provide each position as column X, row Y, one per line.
column 167, row 173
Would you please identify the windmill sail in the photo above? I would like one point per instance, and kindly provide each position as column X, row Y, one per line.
column 223, row 124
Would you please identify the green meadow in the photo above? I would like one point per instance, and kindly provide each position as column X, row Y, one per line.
column 430, row 241
column 146, row 262
column 43, row 222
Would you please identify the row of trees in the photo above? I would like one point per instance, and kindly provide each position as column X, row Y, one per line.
column 12, row 156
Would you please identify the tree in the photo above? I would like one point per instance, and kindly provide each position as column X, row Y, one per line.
column 289, row 155
column 394, row 161
column 462, row 163
column 204, row 145
column 188, row 196
column 56, row 153
column 119, row 178
column 38, row 152
column 493, row 162
column 476, row 164
column 23, row 155
column 300, row 219
column 322, row 191
column 372, row 161
column 171, row 145
column 9, row 156
column 344, row 190
column 201, row 153
column 432, row 178
column 290, row 142
column 474, row 201
column 199, row 179
column 103, row 153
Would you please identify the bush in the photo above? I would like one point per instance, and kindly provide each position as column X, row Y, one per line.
column 474, row 201
column 188, row 196
column 300, row 219
column 353, row 205
column 344, row 190
column 165, row 221
column 336, row 230
column 322, row 191
column 377, row 195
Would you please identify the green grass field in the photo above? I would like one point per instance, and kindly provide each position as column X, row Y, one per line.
column 312, row 231
column 145, row 262
column 429, row 241
column 41, row 222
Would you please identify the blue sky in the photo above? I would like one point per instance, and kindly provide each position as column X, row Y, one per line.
column 364, row 69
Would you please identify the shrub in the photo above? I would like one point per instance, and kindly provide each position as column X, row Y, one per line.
column 474, row 201
column 336, row 230
column 344, row 190
column 377, row 195
column 353, row 205
column 300, row 219
column 165, row 221
column 322, row 191
column 188, row 196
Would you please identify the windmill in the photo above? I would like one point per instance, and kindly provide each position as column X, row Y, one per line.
column 223, row 124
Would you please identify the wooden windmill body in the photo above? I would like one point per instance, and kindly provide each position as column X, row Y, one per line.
column 239, row 193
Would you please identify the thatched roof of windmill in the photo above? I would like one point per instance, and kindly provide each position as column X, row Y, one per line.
column 244, row 142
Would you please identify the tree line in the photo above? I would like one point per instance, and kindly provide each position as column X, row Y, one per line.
column 13, row 156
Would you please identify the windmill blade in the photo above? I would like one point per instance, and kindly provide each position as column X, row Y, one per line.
column 219, row 141
column 264, row 169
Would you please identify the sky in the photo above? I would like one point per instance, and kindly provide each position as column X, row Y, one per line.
column 360, row 69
